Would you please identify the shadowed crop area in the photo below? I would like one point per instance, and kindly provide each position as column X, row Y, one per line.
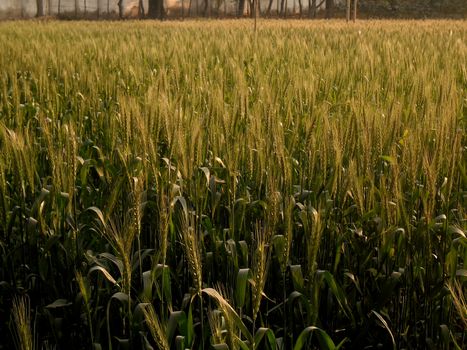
column 200, row 185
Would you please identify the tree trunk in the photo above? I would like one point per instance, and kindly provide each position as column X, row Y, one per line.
column 255, row 10
column 241, row 8
column 329, row 8
column 140, row 9
column 268, row 12
column 312, row 8
column 355, row 4
column 347, row 12
column 156, row 9
column 120, row 9
column 40, row 8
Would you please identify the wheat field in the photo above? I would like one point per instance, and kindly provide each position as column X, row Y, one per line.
column 203, row 185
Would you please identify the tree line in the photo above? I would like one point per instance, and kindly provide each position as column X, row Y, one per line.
column 161, row 9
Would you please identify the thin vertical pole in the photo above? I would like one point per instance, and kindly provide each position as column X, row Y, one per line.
column 255, row 3
column 355, row 10
column 348, row 11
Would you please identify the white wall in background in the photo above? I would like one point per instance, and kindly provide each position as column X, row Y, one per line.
column 17, row 8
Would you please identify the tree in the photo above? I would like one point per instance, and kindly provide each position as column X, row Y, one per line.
column 268, row 11
column 120, row 8
column 140, row 9
column 355, row 4
column 206, row 8
column 329, row 8
column 348, row 12
column 312, row 8
column 156, row 9
column 283, row 7
column 40, row 8
column 241, row 8
column 255, row 11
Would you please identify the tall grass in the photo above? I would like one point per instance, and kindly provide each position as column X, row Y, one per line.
column 295, row 188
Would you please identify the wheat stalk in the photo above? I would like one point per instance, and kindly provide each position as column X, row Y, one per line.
column 260, row 259
column 21, row 319
column 157, row 330
column 192, row 251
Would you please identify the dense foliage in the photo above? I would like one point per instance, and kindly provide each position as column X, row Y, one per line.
column 188, row 185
